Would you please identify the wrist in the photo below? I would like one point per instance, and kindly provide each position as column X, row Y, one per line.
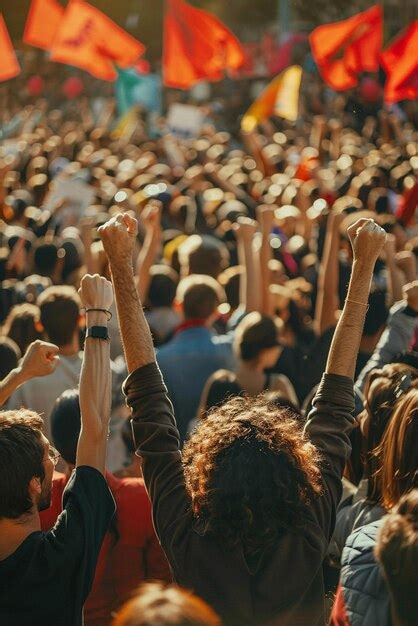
column 97, row 318
column 20, row 375
column 364, row 265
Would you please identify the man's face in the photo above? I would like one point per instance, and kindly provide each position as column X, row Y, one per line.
column 49, row 462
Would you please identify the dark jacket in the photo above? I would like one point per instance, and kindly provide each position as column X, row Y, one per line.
column 362, row 598
column 287, row 587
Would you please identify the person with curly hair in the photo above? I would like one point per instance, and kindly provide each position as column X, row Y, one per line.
column 246, row 516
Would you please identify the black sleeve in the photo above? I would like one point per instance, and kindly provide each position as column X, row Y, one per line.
column 88, row 507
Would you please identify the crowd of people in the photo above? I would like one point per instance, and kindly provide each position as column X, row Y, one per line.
column 208, row 376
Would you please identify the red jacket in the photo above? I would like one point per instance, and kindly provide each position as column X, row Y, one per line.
column 130, row 552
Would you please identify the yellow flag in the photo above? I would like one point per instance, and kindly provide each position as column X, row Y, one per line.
column 280, row 97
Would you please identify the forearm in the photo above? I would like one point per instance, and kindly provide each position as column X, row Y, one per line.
column 327, row 300
column 95, row 398
column 135, row 332
column 249, row 285
column 9, row 384
column 144, row 263
column 346, row 342
column 265, row 258
column 394, row 283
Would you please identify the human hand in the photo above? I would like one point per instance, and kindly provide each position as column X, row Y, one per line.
column 410, row 292
column 118, row 236
column 390, row 247
column 96, row 292
column 367, row 240
column 40, row 359
column 406, row 262
column 151, row 216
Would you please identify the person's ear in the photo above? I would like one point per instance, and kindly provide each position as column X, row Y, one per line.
column 82, row 321
column 39, row 327
column 178, row 307
column 35, row 488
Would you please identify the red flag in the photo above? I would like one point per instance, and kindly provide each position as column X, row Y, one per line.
column 197, row 46
column 42, row 24
column 87, row 38
column 344, row 49
column 400, row 62
column 9, row 66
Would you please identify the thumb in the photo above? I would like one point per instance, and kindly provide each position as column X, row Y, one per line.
column 131, row 224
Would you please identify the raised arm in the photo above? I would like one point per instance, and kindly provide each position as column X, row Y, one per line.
column 327, row 300
column 266, row 219
column 118, row 236
column 367, row 240
column 154, row 427
column 151, row 217
column 95, row 378
column 245, row 230
column 40, row 359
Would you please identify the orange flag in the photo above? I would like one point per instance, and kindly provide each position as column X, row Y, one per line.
column 400, row 62
column 344, row 49
column 197, row 46
column 87, row 38
column 9, row 66
column 42, row 24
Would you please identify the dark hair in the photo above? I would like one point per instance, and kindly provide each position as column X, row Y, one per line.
column 219, row 388
column 200, row 296
column 66, row 424
column 166, row 606
column 60, row 313
column 397, row 553
column 9, row 356
column 163, row 285
column 21, row 459
column 251, row 474
column 204, row 255
column 230, row 280
column 45, row 258
column 254, row 334
column 20, row 325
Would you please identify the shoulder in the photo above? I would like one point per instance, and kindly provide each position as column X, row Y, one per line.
column 360, row 544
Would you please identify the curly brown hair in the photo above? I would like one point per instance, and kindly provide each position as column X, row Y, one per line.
column 251, row 473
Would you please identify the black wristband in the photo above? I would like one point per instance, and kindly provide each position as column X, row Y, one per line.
column 98, row 332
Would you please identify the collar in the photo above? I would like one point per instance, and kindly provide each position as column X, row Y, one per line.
column 194, row 323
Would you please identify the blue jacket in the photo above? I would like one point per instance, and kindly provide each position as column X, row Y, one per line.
column 186, row 362
column 366, row 596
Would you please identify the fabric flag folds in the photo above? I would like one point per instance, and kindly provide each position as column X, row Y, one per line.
column 344, row 49
column 88, row 39
column 42, row 23
column 9, row 66
column 281, row 98
column 400, row 62
column 197, row 46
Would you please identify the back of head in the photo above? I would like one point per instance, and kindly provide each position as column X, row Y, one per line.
column 9, row 356
column 203, row 255
column 45, row 258
column 22, row 325
column 156, row 605
column 200, row 295
column 21, row 459
column 398, row 451
column 66, row 424
column 163, row 285
column 60, row 313
column 251, row 473
column 255, row 333
column 397, row 553
column 384, row 390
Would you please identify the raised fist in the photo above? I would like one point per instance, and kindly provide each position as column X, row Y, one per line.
column 367, row 240
column 96, row 292
column 40, row 359
column 118, row 236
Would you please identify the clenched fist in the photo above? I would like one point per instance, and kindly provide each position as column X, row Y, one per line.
column 367, row 240
column 40, row 359
column 96, row 292
column 118, row 236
